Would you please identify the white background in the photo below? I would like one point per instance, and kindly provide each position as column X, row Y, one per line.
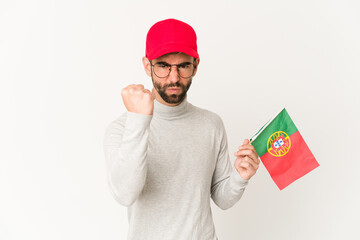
column 63, row 64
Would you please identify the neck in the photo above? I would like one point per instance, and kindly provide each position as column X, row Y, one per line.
column 171, row 111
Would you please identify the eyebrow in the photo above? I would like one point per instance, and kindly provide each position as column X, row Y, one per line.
column 165, row 63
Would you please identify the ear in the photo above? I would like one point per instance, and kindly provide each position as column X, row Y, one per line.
column 147, row 66
column 196, row 64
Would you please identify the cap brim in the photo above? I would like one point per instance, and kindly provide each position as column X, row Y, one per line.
column 171, row 47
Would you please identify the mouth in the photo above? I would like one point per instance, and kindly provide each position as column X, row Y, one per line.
column 173, row 90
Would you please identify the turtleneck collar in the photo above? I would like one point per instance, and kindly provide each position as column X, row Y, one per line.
column 168, row 112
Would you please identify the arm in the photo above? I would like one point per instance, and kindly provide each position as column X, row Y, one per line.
column 227, row 185
column 125, row 147
column 126, row 143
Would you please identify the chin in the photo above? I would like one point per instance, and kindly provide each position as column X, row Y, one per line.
column 174, row 98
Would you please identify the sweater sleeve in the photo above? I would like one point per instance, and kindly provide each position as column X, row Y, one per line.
column 125, row 146
column 227, row 185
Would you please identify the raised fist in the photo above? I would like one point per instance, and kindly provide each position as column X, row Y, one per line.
column 137, row 99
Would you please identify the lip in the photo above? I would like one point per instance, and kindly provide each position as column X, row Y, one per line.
column 173, row 89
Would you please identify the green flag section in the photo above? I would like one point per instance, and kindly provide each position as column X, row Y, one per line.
column 283, row 150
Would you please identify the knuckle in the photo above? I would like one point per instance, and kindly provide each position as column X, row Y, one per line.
column 132, row 91
column 138, row 91
column 147, row 96
column 124, row 90
column 246, row 164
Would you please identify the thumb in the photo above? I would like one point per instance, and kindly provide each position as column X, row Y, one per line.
column 246, row 142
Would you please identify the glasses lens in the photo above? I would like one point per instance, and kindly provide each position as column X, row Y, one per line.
column 186, row 70
column 161, row 70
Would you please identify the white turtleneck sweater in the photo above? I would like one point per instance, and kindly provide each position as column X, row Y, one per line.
column 165, row 167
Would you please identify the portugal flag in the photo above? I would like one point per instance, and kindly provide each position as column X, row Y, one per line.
column 283, row 151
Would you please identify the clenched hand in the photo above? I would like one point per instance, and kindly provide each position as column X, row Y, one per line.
column 137, row 99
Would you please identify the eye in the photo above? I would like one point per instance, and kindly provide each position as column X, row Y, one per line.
column 162, row 65
column 184, row 65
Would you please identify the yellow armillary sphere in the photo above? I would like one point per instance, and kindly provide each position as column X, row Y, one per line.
column 278, row 144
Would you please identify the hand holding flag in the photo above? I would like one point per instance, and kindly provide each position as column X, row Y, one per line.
column 247, row 161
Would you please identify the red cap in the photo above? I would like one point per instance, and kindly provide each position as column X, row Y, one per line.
column 170, row 35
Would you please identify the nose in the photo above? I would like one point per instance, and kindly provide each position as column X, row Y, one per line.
column 174, row 75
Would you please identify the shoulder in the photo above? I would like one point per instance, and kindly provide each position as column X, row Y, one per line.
column 208, row 116
column 128, row 120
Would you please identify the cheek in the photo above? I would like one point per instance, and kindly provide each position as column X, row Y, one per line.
column 158, row 84
column 188, row 83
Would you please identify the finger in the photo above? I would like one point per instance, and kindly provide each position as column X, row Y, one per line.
column 250, row 161
column 248, row 165
column 254, row 157
column 254, row 161
column 248, row 148
column 136, row 89
column 243, row 152
column 251, row 147
column 130, row 89
column 246, row 153
column 148, row 92
column 246, row 141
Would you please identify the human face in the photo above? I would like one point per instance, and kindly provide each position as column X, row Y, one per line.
column 172, row 89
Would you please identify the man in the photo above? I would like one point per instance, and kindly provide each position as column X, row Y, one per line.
column 166, row 157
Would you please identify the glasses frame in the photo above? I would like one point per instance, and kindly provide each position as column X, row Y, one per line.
column 177, row 69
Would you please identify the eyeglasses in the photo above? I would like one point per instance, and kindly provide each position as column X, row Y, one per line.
column 163, row 69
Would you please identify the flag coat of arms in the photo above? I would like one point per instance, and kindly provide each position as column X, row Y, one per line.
column 283, row 150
